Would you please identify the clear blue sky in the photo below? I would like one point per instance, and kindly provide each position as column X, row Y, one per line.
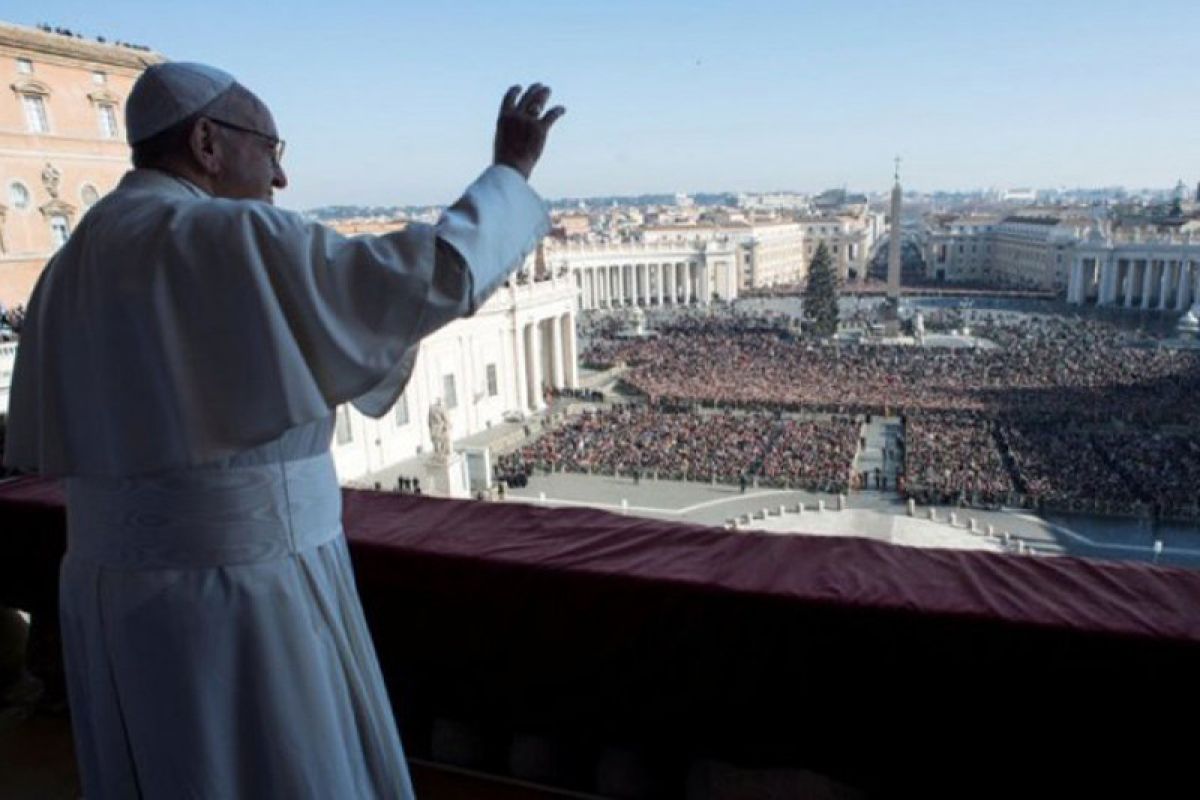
column 393, row 102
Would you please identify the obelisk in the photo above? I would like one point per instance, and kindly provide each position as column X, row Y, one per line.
column 893, row 273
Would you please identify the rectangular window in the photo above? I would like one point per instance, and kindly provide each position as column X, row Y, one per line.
column 493, row 383
column 99, row 77
column 35, row 113
column 60, row 230
column 448, row 392
column 342, row 432
column 24, row 66
column 402, row 410
column 108, row 121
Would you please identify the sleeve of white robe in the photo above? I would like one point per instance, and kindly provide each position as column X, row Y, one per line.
column 170, row 331
column 376, row 296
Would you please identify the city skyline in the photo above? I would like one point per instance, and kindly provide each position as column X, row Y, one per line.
column 715, row 99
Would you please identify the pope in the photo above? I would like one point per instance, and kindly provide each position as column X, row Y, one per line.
column 179, row 365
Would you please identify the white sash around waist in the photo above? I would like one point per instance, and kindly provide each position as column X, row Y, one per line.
column 205, row 517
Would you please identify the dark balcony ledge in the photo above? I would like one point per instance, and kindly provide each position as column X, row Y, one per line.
column 849, row 657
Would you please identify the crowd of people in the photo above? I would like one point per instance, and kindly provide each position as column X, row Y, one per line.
column 812, row 454
column 1163, row 467
column 726, row 446
column 972, row 460
column 1042, row 368
column 1062, row 468
column 954, row 458
column 1054, row 412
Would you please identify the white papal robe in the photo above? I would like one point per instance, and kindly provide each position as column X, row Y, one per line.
column 179, row 365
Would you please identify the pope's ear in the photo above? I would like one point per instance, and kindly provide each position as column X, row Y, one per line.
column 204, row 147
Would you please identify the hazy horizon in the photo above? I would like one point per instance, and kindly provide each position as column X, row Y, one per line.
column 395, row 107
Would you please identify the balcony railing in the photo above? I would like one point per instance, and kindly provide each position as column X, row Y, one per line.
column 560, row 645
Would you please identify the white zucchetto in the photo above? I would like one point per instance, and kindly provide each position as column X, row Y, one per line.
column 169, row 93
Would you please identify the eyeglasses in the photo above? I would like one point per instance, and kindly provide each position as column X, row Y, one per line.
column 279, row 144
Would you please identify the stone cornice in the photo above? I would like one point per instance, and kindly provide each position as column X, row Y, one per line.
column 29, row 86
column 36, row 41
column 104, row 96
column 57, row 206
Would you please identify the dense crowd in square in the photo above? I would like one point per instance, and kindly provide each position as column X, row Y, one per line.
column 1061, row 413
column 727, row 446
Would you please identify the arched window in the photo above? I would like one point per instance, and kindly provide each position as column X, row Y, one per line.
column 108, row 120
column 33, row 97
column 36, row 120
column 106, row 112
column 18, row 195
column 60, row 230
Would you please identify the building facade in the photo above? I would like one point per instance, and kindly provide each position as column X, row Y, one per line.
column 772, row 255
column 1023, row 251
column 1136, row 270
column 1031, row 252
column 661, row 273
column 482, row 369
column 62, row 141
column 850, row 239
column 959, row 249
column 769, row 252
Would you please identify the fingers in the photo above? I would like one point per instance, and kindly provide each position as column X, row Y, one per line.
column 552, row 116
column 530, row 103
column 534, row 100
column 509, row 102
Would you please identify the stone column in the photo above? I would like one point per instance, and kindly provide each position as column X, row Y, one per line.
column 572, row 350
column 521, row 375
column 1148, row 283
column 1183, row 295
column 673, row 283
column 687, row 283
column 536, row 400
column 1165, row 282
column 1131, row 276
column 556, row 354
column 1108, row 280
column 1075, row 281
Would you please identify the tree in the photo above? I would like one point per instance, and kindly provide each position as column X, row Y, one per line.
column 821, row 294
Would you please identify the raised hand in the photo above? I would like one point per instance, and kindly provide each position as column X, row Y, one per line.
column 521, row 128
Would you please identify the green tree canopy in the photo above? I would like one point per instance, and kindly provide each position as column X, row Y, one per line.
column 821, row 294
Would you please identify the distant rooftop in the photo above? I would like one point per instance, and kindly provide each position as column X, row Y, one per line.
column 1049, row 221
column 66, row 42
